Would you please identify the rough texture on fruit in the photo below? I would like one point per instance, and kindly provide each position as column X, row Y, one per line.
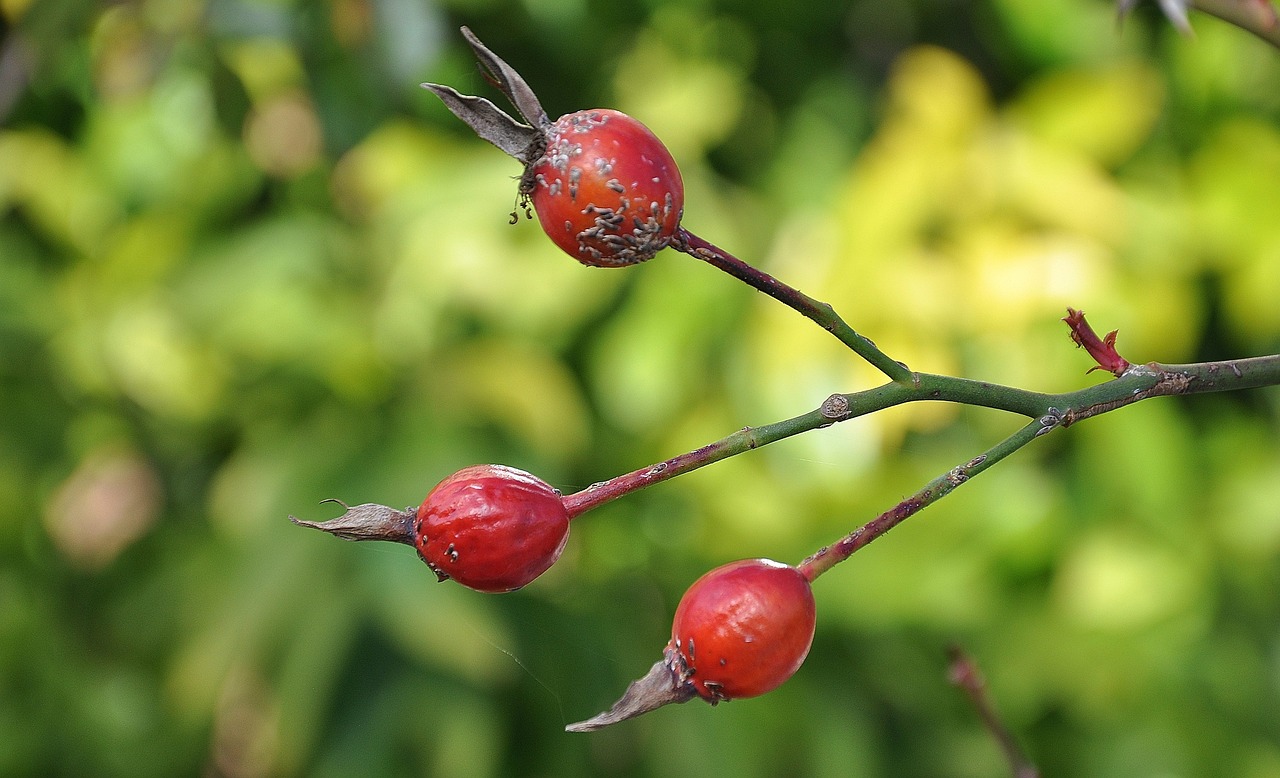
column 606, row 190
column 742, row 629
column 491, row 527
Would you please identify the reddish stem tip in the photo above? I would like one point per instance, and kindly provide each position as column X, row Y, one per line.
column 1103, row 350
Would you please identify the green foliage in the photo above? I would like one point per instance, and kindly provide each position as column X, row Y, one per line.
column 245, row 265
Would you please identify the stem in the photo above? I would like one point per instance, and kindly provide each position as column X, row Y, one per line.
column 836, row 408
column 1255, row 16
column 821, row 313
column 964, row 673
column 1227, row 375
column 1139, row 383
column 744, row 439
column 829, row 556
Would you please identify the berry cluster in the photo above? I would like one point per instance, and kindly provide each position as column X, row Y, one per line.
column 608, row 193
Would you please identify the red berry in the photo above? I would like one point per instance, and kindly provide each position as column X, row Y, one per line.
column 491, row 528
column 606, row 190
column 739, row 631
column 743, row 629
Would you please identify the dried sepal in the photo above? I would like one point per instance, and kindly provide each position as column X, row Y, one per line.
column 368, row 521
column 492, row 123
column 662, row 685
column 525, row 142
column 509, row 81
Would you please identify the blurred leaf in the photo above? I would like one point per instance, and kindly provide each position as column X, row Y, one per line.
column 1110, row 582
column 1105, row 115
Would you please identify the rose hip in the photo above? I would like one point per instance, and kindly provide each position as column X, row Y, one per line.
column 739, row 631
column 605, row 189
column 489, row 527
column 742, row 629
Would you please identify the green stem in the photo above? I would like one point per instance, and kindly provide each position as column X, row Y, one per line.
column 829, row 556
column 744, row 439
column 1139, row 383
column 821, row 313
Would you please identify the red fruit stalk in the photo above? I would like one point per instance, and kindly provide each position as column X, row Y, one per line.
column 739, row 631
column 489, row 527
column 606, row 190
column 828, row 557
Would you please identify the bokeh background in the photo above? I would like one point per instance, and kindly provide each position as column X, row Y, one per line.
column 247, row 265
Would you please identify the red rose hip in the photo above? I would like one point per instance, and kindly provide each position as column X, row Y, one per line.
column 739, row 631
column 606, row 190
column 489, row 527
column 743, row 629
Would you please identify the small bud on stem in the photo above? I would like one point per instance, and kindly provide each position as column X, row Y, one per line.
column 1103, row 349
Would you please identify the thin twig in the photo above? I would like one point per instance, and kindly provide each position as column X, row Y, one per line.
column 828, row 557
column 1140, row 382
column 964, row 673
column 821, row 313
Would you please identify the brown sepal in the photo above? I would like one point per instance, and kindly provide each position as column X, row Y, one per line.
column 662, row 685
column 367, row 522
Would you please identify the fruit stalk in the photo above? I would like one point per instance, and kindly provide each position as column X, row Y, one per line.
column 1139, row 383
column 964, row 673
column 821, row 313
column 828, row 557
column 836, row 408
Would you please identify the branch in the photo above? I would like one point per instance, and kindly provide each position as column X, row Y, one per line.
column 828, row 557
column 821, row 313
column 964, row 673
column 1139, row 382
column 836, row 408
